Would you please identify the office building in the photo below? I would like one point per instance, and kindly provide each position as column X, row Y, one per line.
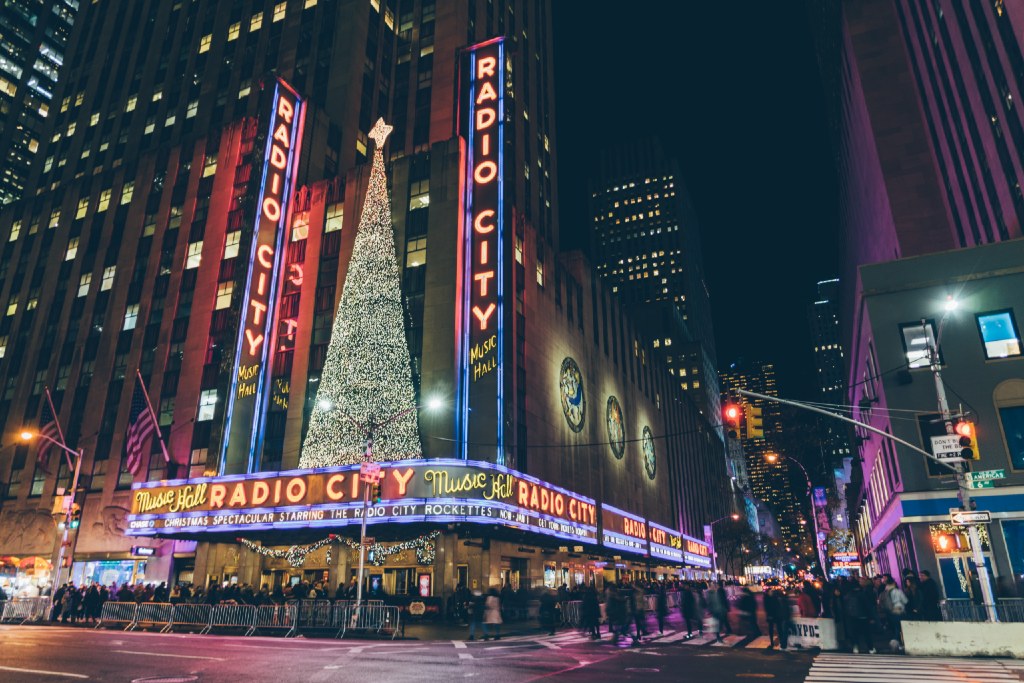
column 33, row 38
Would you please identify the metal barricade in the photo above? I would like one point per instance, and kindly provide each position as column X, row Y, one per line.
column 571, row 612
column 185, row 616
column 962, row 609
column 1010, row 609
column 225, row 617
column 22, row 610
column 375, row 618
column 153, row 615
column 121, row 614
column 314, row 614
column 275, row 618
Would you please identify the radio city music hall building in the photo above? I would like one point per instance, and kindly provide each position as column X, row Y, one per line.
column 563, row 453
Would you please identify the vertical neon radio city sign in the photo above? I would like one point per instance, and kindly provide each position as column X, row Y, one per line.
column 250, row 394
column 480, row 309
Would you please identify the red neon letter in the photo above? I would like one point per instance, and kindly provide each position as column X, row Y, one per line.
column 285, row 109
column 332, row 492
column 217, row 493
column 484, row 118
column 259, row 310
column 260, row 492
column 482, row 316
column 255, row 342
column 263, row 255
column 271, row 209
column 486, row 93
column 278, row 158
column 281, row 135
column 403, row 481
column 478, row 222
column 485, row 67
column 485, row 172
column 295, row 490
column 482, row 278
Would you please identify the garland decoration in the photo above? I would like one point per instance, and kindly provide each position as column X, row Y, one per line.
column 378, row 553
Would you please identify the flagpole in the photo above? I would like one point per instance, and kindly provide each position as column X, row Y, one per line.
column 60, row 430
column 152, row 414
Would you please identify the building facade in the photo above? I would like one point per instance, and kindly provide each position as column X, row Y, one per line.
column 143, row 254
column 904, row 517
column 34, row 37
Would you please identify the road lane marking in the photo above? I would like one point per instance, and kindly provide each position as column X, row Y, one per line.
column 42, row 673
column 167, row 654
column 459, row 645
column 550, row 646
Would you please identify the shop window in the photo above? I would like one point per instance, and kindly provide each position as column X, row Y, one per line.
column 207, row 405
column 999, row 334
column 917, row 339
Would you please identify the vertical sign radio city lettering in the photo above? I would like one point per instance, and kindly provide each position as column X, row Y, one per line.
column 480, row 314
column 248, row 397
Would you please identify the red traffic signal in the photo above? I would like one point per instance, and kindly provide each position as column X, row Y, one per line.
column 732, row 413
column 965, row 429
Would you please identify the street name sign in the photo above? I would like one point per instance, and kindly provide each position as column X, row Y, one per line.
column 967, row 517
column 947, row 447
column 985, row 475
column 971, row 484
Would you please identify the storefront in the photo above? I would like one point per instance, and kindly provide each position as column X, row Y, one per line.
column 26, row 577
column 438, row 524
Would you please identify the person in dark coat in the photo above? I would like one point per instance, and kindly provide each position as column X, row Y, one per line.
column 548, row 609
column 929, row 598
column 689, row 607
column 91, row 603
column 590, row 613
column 661, row 607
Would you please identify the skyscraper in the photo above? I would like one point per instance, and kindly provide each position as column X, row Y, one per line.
column 33, row 37
column 646, row 243
column 829, row 361
column 769, row 481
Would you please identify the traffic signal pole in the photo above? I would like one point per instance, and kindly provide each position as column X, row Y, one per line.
column 963, row 492
column 65, row 544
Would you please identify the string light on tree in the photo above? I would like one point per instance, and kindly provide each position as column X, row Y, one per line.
column 425, row 547
column 366, row 385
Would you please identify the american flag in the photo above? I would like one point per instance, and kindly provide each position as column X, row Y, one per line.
column 48, row 428
column 140, row 427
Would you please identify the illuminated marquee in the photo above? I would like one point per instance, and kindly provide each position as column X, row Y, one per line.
column 442, row 490
column 622, row 530
column 696, row 553
column 666, row 544
column 248, row 397
column 480, row 305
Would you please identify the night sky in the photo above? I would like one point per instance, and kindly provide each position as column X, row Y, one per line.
column 733, row 90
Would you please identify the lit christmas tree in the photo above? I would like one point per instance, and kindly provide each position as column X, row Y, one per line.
column 366, row 386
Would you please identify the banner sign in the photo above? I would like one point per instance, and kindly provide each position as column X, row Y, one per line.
column 621, row 530
column 441, row 490
column 249, row 393
column 696, row 553
column 480, row 302
column 665, row 543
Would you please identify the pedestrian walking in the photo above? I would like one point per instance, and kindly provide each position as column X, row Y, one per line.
column 492, row 614
column 747, row 606
column 689, row 605
column 590, row 613
column 718, row 605
column 930, row 597
column 893, row 604
column 639, row 611
column 547, row 610
column 475, row 608
column 859, row 608
column 661, row 607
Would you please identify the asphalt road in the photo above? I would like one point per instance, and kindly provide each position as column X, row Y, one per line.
column 38, row 654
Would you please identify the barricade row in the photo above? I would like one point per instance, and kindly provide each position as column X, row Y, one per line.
column 22, row 610
column 288, row 619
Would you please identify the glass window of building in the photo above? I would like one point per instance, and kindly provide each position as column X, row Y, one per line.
column 72, row 251
column 335, row 217
column 1012, row 420
column 12, row 305
column 207, row 404
column 224, row 291
column 917, row 339
column 83, row 284
column 131, row 317
column 416, row 253
column 195, row 254
column 999, row 334
column 231, row 244
column 256, row 22
column 108, row 278
column 126, row 192
column 279, row 10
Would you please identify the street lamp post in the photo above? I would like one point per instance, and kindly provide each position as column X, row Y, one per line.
column 76, row 465
column 714, row 550
column 775, row 458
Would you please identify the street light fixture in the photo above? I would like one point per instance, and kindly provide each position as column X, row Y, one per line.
column 711, row 527
column 74, row 459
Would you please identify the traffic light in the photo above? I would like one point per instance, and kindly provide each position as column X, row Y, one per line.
column 755, row 422
column 375, row 493
column 968, row 440
column 732, row 415
column 76, row 516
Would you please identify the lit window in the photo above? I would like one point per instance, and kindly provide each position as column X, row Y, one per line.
column 210, row 165
column 72, row 251
column 72, row 127
column 12, row 305
column 83, row 284
column 195, row 254
column 169, row 121
column 918, row 338
column 256, row 22
column 309, row 3
column 3, row 346
column 150, row 126
column 207, row 404
column 79, row 98
column 519, row 250
column 131, row 317
column 83, row 206
column 192, row 109
column 224, row 291
column 104, row 201
column 132, row 101
column 419, row 194
column 204, row 43
column 416, row 253
column 279, row 10
column 108, row 278
column 234, row 30
column 244, row 89
column 300, row 226
column 15, row 231
column 999, row 334
column 54, row 218
column 335, row 217
column 94, row 119
column 231, row 244
column 158, row 94
column 126, row 192
column 540, row 273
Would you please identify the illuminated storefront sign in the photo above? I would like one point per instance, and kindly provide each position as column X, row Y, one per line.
column 442, row 490
column 480, row 311
column 696, row 553
column 845, row 561
column 621, row 530
column 248, row 396
column 666, row 544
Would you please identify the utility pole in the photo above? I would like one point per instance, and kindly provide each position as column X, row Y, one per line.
column 963, row 493
column 367, row 459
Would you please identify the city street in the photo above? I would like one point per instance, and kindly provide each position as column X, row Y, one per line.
column 40, row 654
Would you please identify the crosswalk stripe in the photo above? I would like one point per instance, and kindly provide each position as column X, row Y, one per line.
column 675, row 637
column 728, row 641
column 848, row 668
column 759, row 643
